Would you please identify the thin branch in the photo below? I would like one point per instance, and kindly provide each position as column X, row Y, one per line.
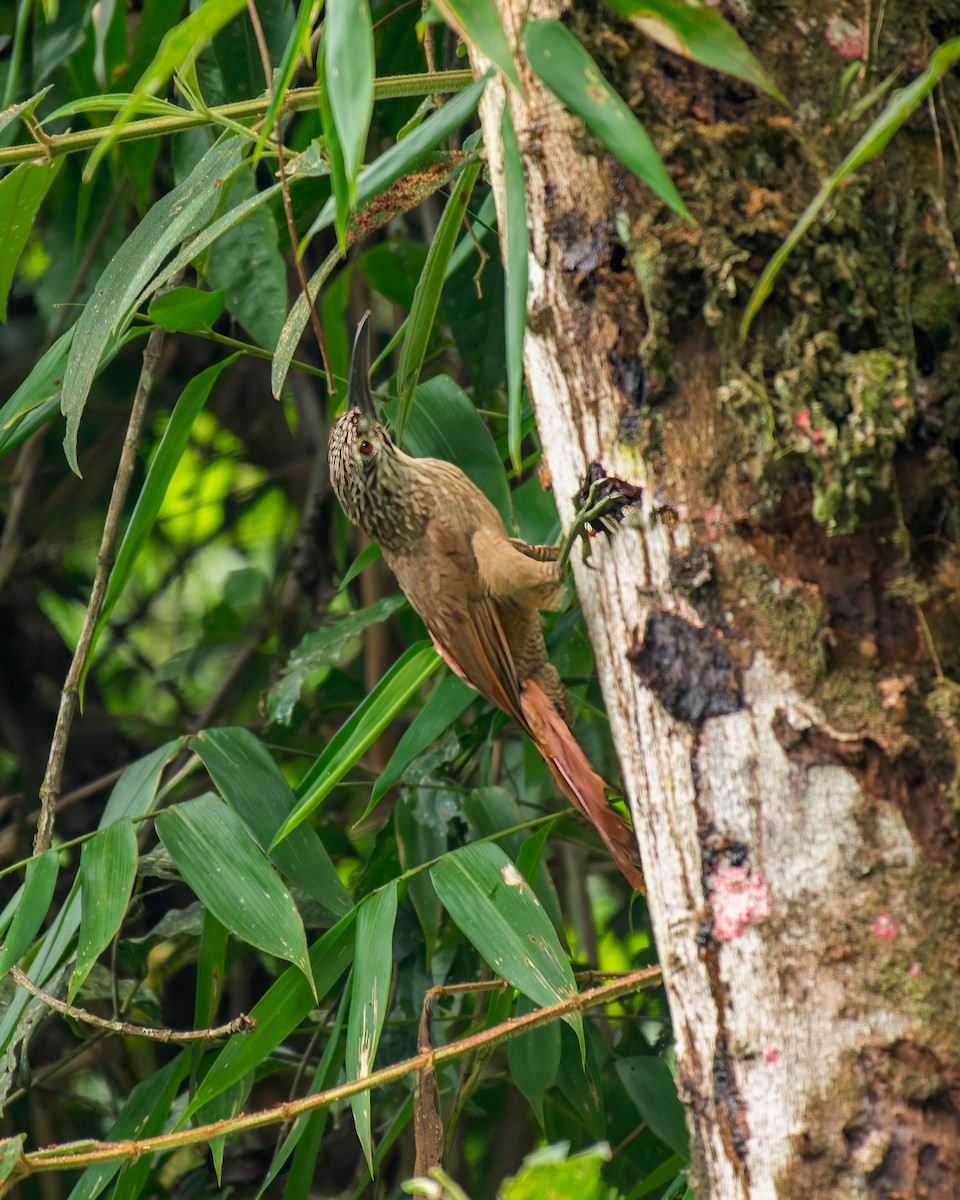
column 287, row 203
column 50, row 788
column 241, row 1024
column 391, row 87
column 78, row 1155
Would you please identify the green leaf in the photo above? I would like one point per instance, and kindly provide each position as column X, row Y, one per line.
column 298, row 42
column 39, row 881
column 361, row 729
column 534, row 1059
column 108, row 867
column 296, row 322
column 445, row 424
column 498, row 912
column 516, row 239
column 549, row 1172
column 873, row 142
column 697, row 32
column 326, row 647
column 572, row 75
column 372, row 975
column 21, row 194
column 403, row 156
column 254, row 787
column 230, row 876
column 11, row 1151
column 11, row 112
column 369, row 554
column 284, row 1005
column 143, row 1114
column 478, row 22
column 179, row 214
column 144, row 515
column 426, row 298
column 343, row 193
column 421, row 833
column 177, row 52
column 651, row 1087
column 349, row 70
column 247, row 265
column 186, row 310
column 445, row 703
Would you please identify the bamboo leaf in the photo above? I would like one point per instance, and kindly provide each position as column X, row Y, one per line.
column 426, row 297
column 349, row 70
column 108, row 867
column 572, row 75
column 651, row 1087
column 372, row 975
column 478, row 22
column 534, row 1059
column 498, row 912
column 516, row 238
column 297, row 43
column 186, row 310
column 39, row 881
column 281, row 1009
column 254, row 787
column 161, row 470
column 21, row 194
column 230, row 876
column 360, row 730
column 108, row 311
column 697, row 32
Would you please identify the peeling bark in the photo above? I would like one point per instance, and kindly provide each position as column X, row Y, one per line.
column 790, row 902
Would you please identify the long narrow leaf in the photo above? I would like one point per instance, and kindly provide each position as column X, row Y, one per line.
column 177, row 52
column 873, row 142
column 572, row 75
column 298, row 42
column 360, row 730
column 21, row 194
column 229, row 875
column 108, row 867
column 406, row 154
column 497, row 910
column 254, row 787
column 372, row 975
column 162, row 468
column 349, row 70
column 426, row 297
column 517, row 243
column 39, row 881
column 179, row 214
column 281, row 1009
column 478, row 22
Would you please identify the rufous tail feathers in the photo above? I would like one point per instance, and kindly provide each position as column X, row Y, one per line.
column 578, row 780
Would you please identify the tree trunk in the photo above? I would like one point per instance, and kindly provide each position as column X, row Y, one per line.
column 780, row 701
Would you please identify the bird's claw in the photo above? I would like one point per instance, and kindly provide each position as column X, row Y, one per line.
column 602, row 503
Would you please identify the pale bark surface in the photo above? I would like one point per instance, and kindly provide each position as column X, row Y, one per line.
column 772, row 879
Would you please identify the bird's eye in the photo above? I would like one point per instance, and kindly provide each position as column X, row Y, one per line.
column 365, row 446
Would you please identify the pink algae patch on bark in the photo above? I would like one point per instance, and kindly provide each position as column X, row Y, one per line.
column 738, row 898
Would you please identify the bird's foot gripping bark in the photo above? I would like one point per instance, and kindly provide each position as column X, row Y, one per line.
column 602, row 503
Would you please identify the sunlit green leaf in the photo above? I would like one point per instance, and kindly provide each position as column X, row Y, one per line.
column 572, row 75
column 349, row 70
column 361, row 729
column 21, row 194
column 230, row 876
column 372, row 975
column 108, row 867
column 549, row 1172
column 11, row 1151
column 499, row 913
column 298, row 43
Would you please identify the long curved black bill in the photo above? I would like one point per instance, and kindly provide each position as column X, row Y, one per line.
column 358, row 390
